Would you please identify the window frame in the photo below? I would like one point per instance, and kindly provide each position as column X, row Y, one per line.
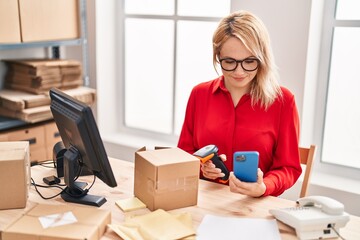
column 329, row 22
column 173, row 136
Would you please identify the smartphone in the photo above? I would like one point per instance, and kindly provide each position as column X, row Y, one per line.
column 246, row 165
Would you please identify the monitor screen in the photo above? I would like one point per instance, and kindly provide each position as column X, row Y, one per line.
column 84, row 147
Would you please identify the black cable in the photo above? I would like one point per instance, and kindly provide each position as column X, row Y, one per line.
column 61, row 184
column 79, row 171
column 92, row 183
column 46, row 186
column 43, row 163
column 46, row 165
column 337, row 233
column 63, row 190
column 79, row 174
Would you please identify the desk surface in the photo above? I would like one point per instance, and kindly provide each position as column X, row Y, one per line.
column 212, row 199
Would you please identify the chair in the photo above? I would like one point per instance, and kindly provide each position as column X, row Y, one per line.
column 307, row 156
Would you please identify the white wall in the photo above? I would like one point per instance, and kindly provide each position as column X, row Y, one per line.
column 288, row 26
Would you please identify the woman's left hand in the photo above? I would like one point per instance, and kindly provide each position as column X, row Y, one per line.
column 252, row 189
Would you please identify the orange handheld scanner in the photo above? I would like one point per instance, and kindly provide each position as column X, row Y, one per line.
column 210, row 152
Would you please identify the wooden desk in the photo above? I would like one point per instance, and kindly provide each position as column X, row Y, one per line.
column 213, row 199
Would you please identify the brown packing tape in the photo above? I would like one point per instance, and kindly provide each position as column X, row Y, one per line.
column 183, row 183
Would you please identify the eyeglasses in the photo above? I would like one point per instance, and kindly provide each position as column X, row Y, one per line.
column 248, row 64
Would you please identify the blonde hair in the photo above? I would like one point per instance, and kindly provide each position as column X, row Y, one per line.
column 252, row 32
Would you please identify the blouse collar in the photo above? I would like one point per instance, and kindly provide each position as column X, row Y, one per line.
column 219, row 84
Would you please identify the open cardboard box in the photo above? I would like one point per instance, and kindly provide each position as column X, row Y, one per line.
column 166, row 178
column 90, row 223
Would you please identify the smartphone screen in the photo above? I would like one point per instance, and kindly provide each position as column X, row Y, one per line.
column 246, row 165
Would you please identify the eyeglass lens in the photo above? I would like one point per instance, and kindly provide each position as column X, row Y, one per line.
column 248, row 64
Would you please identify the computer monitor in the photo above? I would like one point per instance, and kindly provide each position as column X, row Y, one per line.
column 85, row 149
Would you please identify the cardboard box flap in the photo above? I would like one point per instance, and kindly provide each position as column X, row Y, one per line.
column 146, row 168
column 141, row 149
column 168, row 156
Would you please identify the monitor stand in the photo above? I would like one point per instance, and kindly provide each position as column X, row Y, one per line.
column 75, row 191
column 85, row 198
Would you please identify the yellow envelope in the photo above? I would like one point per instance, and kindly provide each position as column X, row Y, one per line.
column 126, row 232
column 130, row 204
column 155, row 225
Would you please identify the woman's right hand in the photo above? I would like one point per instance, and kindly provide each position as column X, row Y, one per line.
column 210, row 171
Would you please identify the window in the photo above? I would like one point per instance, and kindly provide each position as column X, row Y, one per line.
column 339, row 75
column 167, row 50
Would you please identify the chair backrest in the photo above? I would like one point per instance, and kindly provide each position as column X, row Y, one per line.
column 307, row 156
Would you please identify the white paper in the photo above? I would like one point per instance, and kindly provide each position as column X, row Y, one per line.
column 233, row 228
column 57, row 219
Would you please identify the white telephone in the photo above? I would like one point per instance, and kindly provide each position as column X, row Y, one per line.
column 316, row 217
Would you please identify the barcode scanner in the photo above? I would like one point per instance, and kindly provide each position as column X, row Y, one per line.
column 210, row 152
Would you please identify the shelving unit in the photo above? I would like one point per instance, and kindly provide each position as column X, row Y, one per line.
column 71, row 42
column 9, row 125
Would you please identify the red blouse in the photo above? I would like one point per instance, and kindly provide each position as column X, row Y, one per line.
column 211, row 118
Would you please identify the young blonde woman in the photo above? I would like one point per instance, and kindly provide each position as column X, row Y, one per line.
column 245, row 109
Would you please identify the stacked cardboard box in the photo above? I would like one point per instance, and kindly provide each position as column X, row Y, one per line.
column 40, row 75
column 27, row 85
column 35, row 108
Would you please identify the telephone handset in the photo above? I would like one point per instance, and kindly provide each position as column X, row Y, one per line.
column 315, row 217
column 328, row 205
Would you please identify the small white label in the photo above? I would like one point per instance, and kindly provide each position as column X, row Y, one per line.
column 57, row 219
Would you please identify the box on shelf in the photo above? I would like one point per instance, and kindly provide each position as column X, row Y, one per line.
column 166, row 178
column 9, row 22
column 43, row 20
column 31, row 115
column 14, row 174
column 18, row 100
column 38, row 76
column 35, row 108
column 90, row 223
